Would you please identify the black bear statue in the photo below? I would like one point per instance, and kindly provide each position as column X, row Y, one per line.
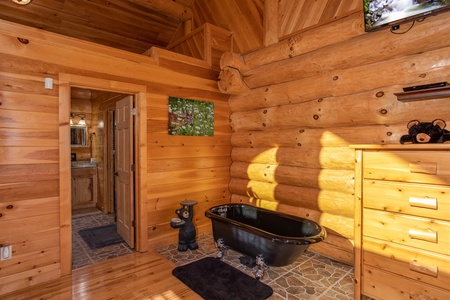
column 187, row 233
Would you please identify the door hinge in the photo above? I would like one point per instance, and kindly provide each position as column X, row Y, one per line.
column 132, row 167
column 133, row 111
column 133, row 223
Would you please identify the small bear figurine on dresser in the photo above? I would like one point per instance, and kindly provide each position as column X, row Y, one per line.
column 426, row 132
column 187, row 232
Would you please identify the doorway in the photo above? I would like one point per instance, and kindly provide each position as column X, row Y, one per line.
column 137, row 153
column 102, row 180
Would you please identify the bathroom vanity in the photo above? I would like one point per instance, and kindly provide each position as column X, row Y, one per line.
column 402, row 221
column 84, row 184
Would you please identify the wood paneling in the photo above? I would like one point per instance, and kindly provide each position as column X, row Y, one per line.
column 34, row 152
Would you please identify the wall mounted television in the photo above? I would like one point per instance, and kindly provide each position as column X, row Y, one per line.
column 389, row 13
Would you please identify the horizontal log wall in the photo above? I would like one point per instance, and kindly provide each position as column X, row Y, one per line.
column 178, row 167
column 307, row 98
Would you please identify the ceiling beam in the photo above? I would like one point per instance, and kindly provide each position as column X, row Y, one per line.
column 168, row 8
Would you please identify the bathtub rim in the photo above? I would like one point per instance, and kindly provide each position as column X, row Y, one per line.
column 319, row 237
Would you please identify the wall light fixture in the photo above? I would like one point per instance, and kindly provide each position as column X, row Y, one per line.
column 22, row 2
column 82, row 122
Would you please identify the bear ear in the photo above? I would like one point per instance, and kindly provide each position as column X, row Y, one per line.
column 412, row 123
column 440, row 123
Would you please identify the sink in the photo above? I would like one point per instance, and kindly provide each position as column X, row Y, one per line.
column 83, row 164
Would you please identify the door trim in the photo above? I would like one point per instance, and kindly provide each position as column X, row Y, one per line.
column 66, row 81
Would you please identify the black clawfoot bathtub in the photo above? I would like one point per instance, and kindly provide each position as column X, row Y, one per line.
column 279, row 238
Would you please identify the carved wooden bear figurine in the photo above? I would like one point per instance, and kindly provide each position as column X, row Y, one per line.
column 187, row 232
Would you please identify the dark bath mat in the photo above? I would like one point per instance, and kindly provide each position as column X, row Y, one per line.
column 213, row 279
column 100, row 237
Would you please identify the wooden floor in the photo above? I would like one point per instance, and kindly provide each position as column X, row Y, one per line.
column 134, row 276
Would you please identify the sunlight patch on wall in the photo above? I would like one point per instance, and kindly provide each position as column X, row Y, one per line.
column 258, row 191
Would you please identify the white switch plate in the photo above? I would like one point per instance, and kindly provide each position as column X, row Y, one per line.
column 6, row 252
column 48, row 83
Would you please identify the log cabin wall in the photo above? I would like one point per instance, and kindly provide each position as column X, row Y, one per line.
column 178, row 167
column 299, row 103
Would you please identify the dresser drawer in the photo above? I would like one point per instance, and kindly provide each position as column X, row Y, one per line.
column 383, row 285
column 432, row 201
column 410, row 262
column 423, row 233
column 408, row 166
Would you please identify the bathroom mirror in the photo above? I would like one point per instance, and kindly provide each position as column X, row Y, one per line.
column 78, row 136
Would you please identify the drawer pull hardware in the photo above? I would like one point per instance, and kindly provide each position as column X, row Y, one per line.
column 430, row 203
column 428, row 236
column 423, row 167
column 430, row 270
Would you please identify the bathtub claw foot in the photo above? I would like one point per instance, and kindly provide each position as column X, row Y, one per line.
column 260, row 267
column 222, row 248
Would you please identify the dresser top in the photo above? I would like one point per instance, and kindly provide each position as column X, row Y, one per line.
column 402, row 147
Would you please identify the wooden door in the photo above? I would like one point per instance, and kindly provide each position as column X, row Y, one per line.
column 124, row 173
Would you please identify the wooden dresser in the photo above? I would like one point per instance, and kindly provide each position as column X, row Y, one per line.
column 402, row 221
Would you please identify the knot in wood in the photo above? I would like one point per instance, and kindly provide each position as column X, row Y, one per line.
column 383, row 111
column 10, row 206
column 320, row 100
column 379, row 94
column 301, row 130
column 22, row 40
column 316, row 117
column 388, row 133
column 423, row 75
column 265, row 111
column 264, row 124
column 335, row 78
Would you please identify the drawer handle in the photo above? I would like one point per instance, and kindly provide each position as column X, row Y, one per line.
column 423, row 167
column 430, row 270
column 430, row 203
column 428, row 236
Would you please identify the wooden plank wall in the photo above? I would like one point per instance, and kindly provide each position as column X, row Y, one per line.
column 179, row 167
column 310, row 97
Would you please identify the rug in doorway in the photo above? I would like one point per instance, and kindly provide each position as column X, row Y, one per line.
column 213, row 279
column 99, row 237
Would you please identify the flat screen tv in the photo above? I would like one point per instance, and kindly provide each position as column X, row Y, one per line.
column 388, row 13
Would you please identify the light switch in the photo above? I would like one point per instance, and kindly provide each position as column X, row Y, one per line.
column 48, row 83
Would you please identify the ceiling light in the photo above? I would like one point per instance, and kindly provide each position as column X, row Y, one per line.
column 22, row 2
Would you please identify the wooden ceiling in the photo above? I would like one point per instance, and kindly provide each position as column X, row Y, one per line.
column 131, row 25
column 137, row 25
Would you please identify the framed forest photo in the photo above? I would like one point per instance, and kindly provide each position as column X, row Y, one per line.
column 191, row 117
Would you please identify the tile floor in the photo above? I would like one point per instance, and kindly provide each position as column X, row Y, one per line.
column 82, row 255
column 311, row 277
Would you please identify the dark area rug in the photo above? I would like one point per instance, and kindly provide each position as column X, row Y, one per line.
column 213, row 279
column 99, row 237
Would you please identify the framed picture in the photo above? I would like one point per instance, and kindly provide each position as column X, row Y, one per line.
column 191, row 117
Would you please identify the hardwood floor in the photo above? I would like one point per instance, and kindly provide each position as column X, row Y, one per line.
column 134, row 276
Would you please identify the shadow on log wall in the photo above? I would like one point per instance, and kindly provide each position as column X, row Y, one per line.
column 297, row 106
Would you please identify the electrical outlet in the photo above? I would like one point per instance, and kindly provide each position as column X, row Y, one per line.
column 6, row 252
